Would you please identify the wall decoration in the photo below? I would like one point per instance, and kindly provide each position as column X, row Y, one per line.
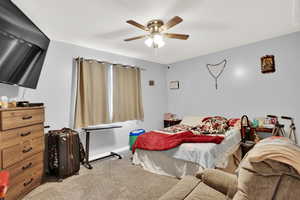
column 267, row 64
column 216, row 73
column 174, row 85
column 151, row 82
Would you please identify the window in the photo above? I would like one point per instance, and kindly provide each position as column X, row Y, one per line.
column 107, row 93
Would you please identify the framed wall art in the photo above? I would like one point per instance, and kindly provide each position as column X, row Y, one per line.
column 151, row 83
column 267, row 64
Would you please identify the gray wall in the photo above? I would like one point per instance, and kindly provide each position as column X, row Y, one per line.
column 55, row 86
column 243, row 89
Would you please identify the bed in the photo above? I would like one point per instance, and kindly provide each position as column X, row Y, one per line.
column 191, row 158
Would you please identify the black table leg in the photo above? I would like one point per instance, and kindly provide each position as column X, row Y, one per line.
column 87, row 150
column 115, row 154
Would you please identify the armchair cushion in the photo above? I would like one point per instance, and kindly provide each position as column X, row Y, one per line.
column 204, row 192
column 221, row 181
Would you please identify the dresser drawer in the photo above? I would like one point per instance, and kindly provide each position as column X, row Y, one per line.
column 19, row 135
column 19, row 118
column 24, row 185
column 16, row 153
column 27, row 166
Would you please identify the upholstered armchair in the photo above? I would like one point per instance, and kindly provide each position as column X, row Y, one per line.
column 260, row 180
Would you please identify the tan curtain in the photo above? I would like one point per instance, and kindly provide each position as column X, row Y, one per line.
column 91, row 97
column 127, row 96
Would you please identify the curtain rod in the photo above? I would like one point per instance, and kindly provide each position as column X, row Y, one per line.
column 142, row 69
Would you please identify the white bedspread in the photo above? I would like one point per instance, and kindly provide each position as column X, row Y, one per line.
column 207, row 155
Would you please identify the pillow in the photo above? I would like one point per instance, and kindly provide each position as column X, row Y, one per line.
column 233, row 122
column 191, row 120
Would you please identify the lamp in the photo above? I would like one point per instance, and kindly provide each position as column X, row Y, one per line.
column 155, row 41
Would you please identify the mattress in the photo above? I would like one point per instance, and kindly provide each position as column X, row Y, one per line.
column 194, row 156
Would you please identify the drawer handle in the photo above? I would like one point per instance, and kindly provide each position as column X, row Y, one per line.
column 27, row 117
column 27, row 150
column 27, row 166
column 25, row 134
column 28, row 183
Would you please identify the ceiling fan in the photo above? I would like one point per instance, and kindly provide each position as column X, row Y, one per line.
column 156, row 29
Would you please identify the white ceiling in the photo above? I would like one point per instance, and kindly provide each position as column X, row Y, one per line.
column 213, row 25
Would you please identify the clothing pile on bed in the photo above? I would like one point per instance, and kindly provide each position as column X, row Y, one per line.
column 208, row 130
column 195, row 144
column 209, row 125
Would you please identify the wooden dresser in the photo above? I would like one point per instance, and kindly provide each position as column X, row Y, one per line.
column 22, row 148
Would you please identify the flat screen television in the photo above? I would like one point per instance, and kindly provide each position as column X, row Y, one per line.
column 23, row 47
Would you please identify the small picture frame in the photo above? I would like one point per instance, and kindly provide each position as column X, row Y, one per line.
column 267, row 64
column 151, row 83
column 174, row 85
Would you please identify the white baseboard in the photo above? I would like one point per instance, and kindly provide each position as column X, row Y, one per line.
column 119, row 151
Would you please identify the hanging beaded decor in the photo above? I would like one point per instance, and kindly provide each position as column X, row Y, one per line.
column 216, row 70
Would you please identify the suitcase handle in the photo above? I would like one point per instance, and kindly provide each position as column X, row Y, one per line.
column 27, row 150
column 27, row 166
column 27, row 117
column 27, row 183
column 25, row 134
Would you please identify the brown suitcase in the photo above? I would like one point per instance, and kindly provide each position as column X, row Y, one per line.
column 64, row 153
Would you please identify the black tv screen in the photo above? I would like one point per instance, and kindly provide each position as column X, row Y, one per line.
column 23, row 47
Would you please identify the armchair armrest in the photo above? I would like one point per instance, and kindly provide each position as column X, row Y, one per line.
column 221, row 181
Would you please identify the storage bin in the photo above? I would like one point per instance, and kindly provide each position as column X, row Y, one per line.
column 133, row 136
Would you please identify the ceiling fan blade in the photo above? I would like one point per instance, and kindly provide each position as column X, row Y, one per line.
column 176, row 36
column 140, row 26
column 174, row 21
column 135, row 38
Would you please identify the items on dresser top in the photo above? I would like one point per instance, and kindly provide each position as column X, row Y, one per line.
column 23, row 104
column 22, row 146
column 28, row 104
column 5, row 103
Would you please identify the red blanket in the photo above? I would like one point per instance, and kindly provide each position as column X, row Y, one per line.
column 158, row 141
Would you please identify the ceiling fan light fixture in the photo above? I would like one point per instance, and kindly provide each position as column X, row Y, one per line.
column 155, row 41
column 155, row 29
column 149, row 42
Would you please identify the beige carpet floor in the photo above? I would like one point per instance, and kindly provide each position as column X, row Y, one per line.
column 109, row 180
